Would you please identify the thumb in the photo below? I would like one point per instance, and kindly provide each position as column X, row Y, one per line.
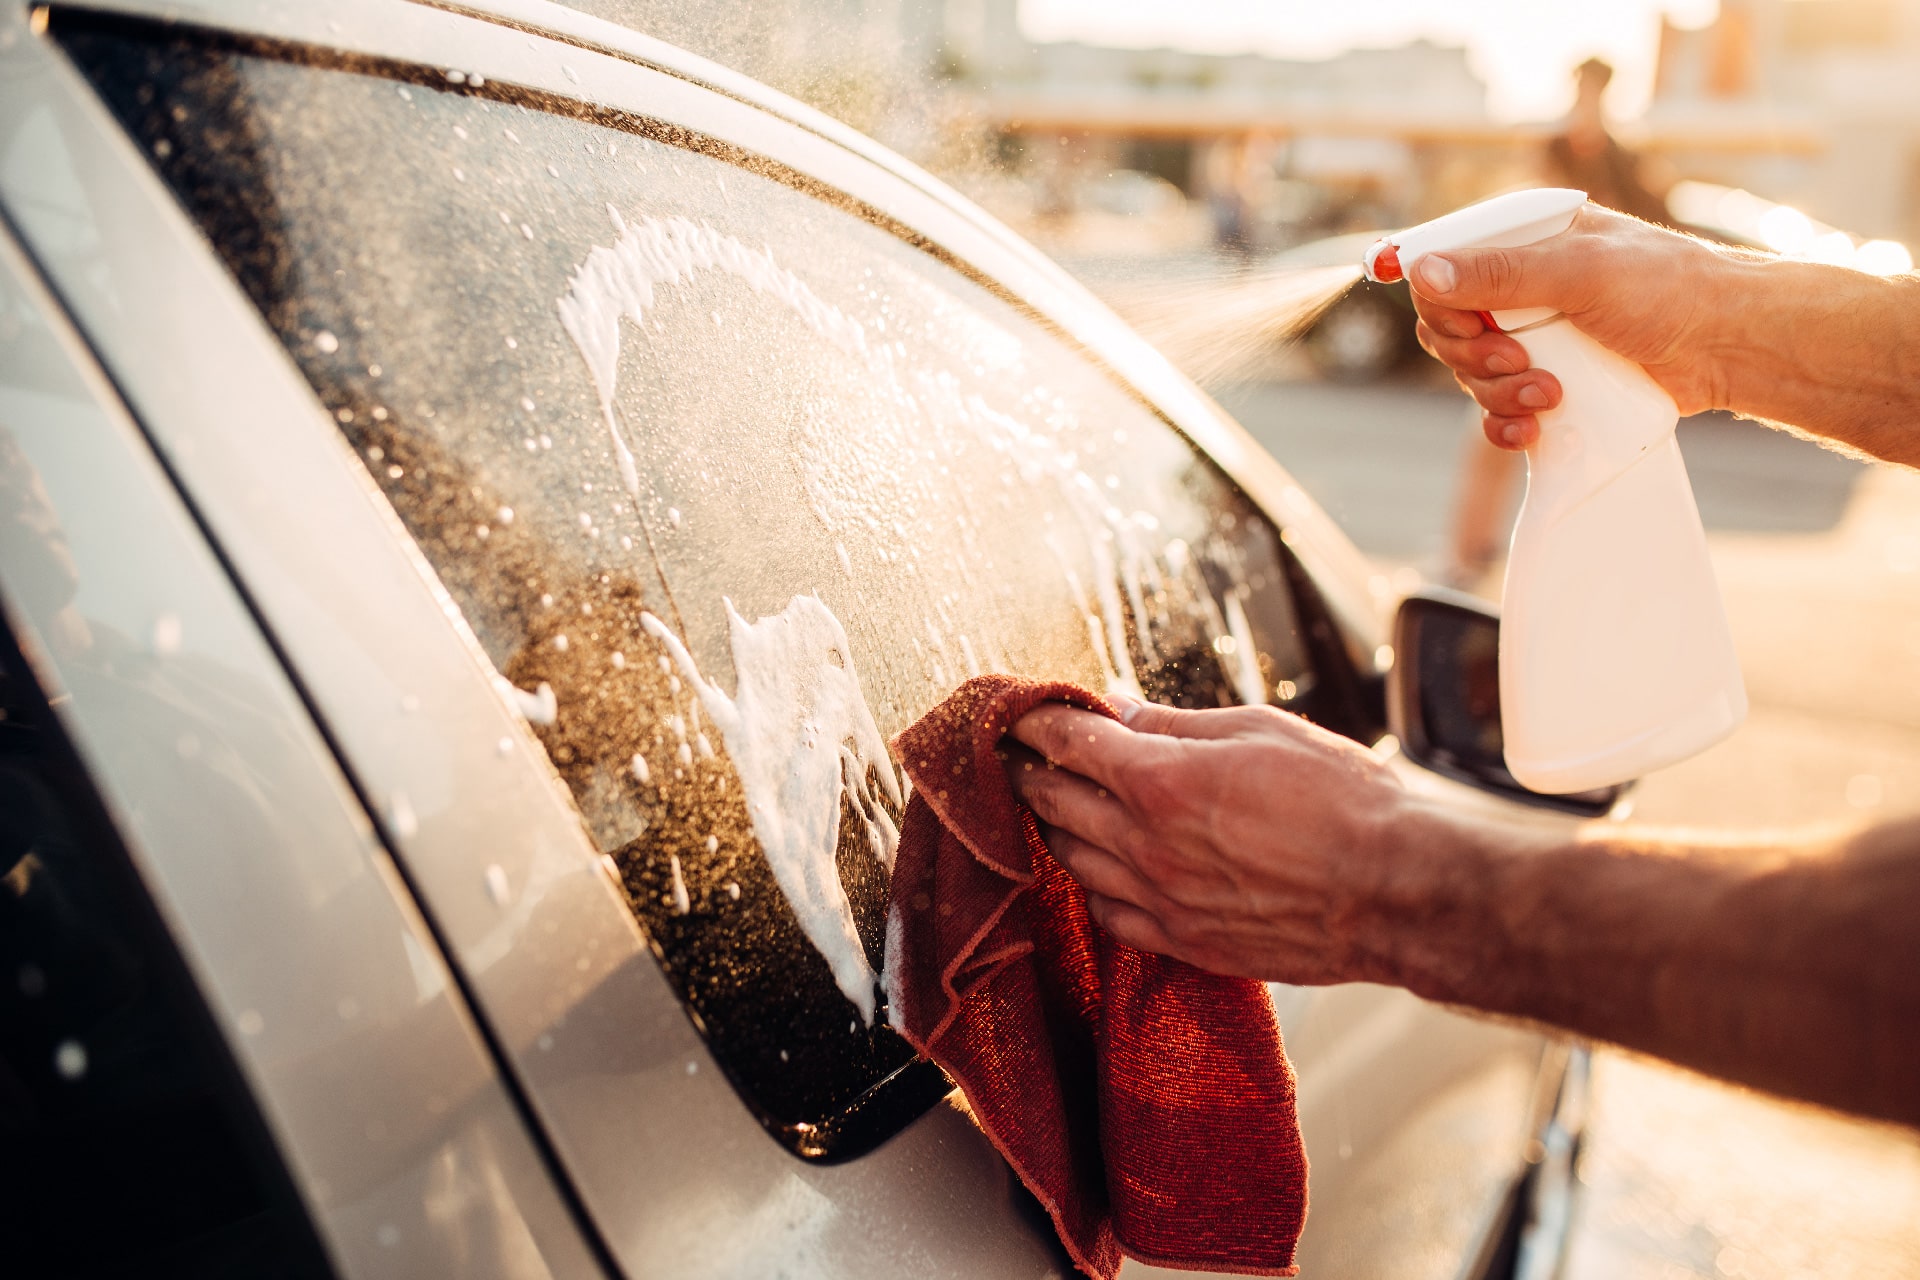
column 1492, row 279
column 1172, row 722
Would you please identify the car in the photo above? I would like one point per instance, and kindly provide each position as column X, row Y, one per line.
column 455, row 460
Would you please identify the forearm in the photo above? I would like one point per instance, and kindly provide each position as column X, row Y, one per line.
column 1832, row 351
column 1788, row 966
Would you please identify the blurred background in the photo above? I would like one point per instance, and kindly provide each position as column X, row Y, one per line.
column 1173, row 156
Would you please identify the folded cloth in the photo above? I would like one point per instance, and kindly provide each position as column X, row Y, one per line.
column 1146, row 1103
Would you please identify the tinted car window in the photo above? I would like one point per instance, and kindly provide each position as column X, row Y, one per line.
column 731, row 481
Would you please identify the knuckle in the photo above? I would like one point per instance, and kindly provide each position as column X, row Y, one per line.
column 1500, row 272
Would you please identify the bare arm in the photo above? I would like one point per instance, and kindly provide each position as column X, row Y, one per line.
column 1251, row 842
column 1832, row 351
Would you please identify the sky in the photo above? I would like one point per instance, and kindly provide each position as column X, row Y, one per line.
column 1525, row 50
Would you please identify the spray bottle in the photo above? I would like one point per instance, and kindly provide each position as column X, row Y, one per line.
column 1615, row 656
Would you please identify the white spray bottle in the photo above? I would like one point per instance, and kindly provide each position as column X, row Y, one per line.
column 1615, row 656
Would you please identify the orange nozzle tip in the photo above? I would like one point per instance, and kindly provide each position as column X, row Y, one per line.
column 1383, row 263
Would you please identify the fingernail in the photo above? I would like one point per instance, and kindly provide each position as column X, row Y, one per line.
column 1500, row 364
column 1437, row 275
column 1533, row 397
column 1511, row 434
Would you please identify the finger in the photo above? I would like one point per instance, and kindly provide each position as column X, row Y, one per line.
column 1098, row 870
column 1077, row 804
column 1085, row 742
column 1450, row 321
column 1490, row 355
column 1510, row 433
column 1173, row 722
column 1536, row 275
column 1130, row 925
column 1517, row 396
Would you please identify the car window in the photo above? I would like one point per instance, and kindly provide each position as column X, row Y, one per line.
column 731, row 481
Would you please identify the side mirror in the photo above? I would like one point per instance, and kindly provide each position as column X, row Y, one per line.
column 1443, row 697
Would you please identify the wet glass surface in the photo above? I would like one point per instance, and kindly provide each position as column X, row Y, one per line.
column 622, row 383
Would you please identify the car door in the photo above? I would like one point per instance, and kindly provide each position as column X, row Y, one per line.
column 608, row 443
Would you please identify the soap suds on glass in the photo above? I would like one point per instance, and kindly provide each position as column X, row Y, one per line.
column 801, row 736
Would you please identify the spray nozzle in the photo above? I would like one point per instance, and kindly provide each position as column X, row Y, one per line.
column 1504, row 222
column 1382, row 263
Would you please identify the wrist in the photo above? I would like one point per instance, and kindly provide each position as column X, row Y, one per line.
column 1432, row 925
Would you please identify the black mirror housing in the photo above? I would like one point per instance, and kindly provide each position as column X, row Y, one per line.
column 1443, row 698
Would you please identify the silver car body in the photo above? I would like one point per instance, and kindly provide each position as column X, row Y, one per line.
column 506, row 1084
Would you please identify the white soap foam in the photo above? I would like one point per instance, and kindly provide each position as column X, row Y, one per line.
column 621, row 281
column 539, row 707
column 681, row 902
column 1248, row 683
column 801, row 736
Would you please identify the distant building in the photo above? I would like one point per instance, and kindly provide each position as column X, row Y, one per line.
column 1373, row 126
column 1825, row 95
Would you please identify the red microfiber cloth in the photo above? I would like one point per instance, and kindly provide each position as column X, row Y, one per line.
column 1148, row 1104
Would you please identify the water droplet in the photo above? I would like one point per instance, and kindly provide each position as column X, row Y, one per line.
column 167, row 634
column 405, row 822
column 619, row 660
column 526, row 231
column 733, row 890
column 673, row 516
column 693, row 1068
column 641, row 773
column 70, row 1059
column 560, row 643
column 325, row 343
column 503, row 747
column 457, row 77
column 458, row 176
column 459, row 133
column 402, row 91
column 504, row 515
column 552, row 172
